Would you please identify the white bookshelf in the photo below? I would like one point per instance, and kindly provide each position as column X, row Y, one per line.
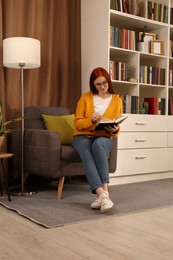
column 145, row 144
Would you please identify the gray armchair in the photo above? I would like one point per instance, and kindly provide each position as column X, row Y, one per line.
column 43, row 153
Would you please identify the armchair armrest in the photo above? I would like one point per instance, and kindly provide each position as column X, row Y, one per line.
column 113, row 156
column 41, row 152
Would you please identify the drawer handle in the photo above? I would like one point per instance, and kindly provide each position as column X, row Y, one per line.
column 140, row 140
column 140, row 157
column 140, row 123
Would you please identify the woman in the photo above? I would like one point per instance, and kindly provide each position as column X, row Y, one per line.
column 94, row 146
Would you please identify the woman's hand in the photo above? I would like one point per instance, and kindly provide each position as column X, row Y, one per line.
column 96, row 117
column 112, row 130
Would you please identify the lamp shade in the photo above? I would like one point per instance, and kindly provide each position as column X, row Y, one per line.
column 21, row 50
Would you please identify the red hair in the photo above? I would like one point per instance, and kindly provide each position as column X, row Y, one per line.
column 99, row 72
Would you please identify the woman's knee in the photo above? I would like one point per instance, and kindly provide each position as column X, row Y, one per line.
column 80, row 142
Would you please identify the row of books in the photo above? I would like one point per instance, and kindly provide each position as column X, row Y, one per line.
column 148, row 74
column 170, row 106
column 148, row 9
column 153, row 105
column 119, row 5
column 122, row 38
column 118, row 70
column 116, row 5
column 152, row 75
column 156, row 106
column 130, row 104
column 157, row 12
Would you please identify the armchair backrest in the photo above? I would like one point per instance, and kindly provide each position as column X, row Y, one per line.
column 35, row 120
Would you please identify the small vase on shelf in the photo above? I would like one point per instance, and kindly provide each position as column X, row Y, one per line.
column 142, row 46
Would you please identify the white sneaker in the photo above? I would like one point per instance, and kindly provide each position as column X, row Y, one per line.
column 106, row 203
column 97, row 203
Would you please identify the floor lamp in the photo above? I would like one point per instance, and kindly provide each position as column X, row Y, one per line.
column 21, row 53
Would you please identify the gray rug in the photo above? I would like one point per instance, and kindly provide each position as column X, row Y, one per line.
column 43, row 208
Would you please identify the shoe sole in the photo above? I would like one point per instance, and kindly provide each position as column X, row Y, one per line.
column 96, row 208
column 106, row 209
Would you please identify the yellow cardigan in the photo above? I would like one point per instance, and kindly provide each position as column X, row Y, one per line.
column 84, row 111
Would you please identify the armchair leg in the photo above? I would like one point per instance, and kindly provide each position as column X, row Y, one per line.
column 60, row 187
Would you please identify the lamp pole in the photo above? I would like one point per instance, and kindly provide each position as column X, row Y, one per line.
column 22, row 65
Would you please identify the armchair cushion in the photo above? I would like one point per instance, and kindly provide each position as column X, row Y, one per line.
column 69, row 154
column 64, row 125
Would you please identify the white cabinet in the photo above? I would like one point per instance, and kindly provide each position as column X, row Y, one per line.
column 143, row 123
column 142, row 145
column 140, row 161
column 170, row 131
column 145, row 143
column 140, row 140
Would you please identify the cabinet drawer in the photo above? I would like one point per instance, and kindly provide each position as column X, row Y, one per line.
column 170, row 123
column 140, row 161
column 144, row 123
column 136, row 140
column 170, row 139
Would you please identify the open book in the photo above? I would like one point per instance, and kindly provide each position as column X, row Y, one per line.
column 105, row 122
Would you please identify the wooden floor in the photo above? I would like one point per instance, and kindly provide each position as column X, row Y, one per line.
column 140, row 236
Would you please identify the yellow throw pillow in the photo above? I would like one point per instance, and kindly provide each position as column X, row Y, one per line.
column 64, row 125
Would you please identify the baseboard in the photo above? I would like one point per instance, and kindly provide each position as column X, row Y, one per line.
column 114, row 180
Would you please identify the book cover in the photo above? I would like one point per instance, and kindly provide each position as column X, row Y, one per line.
column 106, row 122
column 153, row 106
column 170, row 106
column 125, row 6
column 162, row 76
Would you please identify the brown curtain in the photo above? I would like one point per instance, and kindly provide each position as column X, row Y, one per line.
column 56, row 23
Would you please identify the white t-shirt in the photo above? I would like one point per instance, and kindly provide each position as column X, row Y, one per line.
column 101, row 104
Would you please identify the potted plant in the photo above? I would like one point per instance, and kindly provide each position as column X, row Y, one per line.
column 141, row 46
column 4, row 125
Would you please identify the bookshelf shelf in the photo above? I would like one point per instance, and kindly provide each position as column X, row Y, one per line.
column 98, row 49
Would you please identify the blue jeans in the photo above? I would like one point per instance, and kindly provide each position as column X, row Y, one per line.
column 94, row 155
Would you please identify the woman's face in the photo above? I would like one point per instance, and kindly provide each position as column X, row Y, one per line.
column 101, row 85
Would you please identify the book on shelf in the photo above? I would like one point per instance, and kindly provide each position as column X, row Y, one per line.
column 153, row 107
column 171, row 15
column 161, row 106
column 125, row 6
column 130, row 104
column 107, row 122
column 162, row 76
column 170, row 77
column 170, row 106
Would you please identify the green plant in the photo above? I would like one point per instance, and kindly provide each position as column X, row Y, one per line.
column 4, row 126
column 143, row 34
